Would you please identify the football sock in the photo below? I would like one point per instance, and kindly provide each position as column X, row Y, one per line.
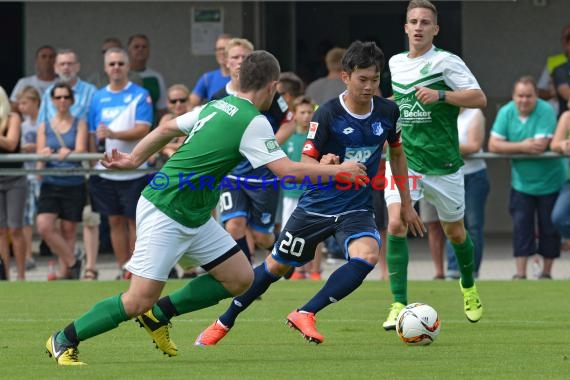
column 201, row 292
column 242, row 242
column 164, row 309
column 105, row 315
column 341, row 283
column 464, row 252
column 397, row 257
column 262, row 279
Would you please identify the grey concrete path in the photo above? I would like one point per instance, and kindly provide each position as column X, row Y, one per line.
column 498, row 263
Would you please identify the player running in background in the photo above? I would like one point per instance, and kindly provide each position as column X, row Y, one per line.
column 430, row 85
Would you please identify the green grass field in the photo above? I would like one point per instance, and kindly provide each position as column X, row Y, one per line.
column 524, row 334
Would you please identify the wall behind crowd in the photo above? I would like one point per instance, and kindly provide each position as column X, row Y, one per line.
column 83, row 26
column 501, row 40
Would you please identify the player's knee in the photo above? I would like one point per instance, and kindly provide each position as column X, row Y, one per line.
column 264, row 240
column 455, row 232
column 236, row 227
column 396, row 227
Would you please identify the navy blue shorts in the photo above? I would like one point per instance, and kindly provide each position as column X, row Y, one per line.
column 258, row 204
column 297, row 242
column 110, row 197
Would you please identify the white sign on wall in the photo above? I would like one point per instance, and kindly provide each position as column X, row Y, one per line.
column 207, row 25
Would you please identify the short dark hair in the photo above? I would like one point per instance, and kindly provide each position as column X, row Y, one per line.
column 303, row 99
column 65, row 85
column 139, row 35
column 526, row 79
column 257, row 70
column 49, row 47
column 361, row 55
column 291, row 83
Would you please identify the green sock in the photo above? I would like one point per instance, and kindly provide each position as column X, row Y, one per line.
column 464, row 253
column 103, row 316
column 200, row 293
column 397, row 257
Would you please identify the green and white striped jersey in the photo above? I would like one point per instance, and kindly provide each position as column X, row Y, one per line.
column 220, row 135
column 429, row 132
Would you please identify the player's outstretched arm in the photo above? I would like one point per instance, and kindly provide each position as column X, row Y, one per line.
column 298, row 171
column 150, row 144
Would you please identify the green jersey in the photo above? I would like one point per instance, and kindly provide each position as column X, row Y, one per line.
column 220, row 135
column 429, row 131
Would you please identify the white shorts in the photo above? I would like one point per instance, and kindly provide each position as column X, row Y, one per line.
column 445, row 192
column 161, row 242
column 289, row 205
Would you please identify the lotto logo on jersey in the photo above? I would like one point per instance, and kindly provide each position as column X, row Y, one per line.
column 313, row 126
column 361, row 154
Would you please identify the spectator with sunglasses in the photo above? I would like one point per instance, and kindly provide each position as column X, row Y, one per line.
column 100, row 79
column 178, row 99
column 119, row 117
column 61, row 197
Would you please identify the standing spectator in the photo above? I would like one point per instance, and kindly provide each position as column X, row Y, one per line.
column 138, row 48
column 471, row 127
column 44, row 77
column 120, row 115
column 303, row 109
column 546, row 90
column 99, row 78
column 212, row 81
column 61, row 197
column 430, row 85
column 12, row 193
column 526, row 125
column 561, row 212
column 331, row 86
column 67, row 66
column 561, row 79
column 29, row 105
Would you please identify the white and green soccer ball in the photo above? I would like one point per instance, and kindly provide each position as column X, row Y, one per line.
column 418, row 324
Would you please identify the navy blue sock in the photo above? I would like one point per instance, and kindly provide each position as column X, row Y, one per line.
column 341, row 283
column 262, row 279
column 242, row 242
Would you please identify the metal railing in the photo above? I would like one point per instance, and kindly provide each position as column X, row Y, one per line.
column 86, row 157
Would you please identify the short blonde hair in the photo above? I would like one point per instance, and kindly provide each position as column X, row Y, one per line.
column 179, row 87
column 238, row 42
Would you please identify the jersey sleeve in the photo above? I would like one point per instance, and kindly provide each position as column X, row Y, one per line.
column 93, row 114
column 547, row 123
column 395, row 135
column 144, row 109
column 187, row 121
column 318, row 134
column 258, row 144
column 458, row 76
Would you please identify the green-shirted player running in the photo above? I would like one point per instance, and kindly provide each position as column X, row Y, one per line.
column 430, row 85
column 174, row 211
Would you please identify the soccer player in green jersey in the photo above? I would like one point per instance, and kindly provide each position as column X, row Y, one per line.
column 430, row 85
column 173, row 213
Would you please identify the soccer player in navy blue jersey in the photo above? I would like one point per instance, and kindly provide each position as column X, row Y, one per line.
column 353, row 126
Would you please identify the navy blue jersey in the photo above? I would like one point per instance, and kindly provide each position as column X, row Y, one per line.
column 352, row 137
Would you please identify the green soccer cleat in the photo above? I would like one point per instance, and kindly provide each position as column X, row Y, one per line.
column 473, row 308
column 63, row 355
column 390, row 323
column 159, row 332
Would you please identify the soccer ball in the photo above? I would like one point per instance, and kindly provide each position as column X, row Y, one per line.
column 418, row 324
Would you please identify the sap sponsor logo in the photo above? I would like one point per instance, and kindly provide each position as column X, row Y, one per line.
column 361, row 154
